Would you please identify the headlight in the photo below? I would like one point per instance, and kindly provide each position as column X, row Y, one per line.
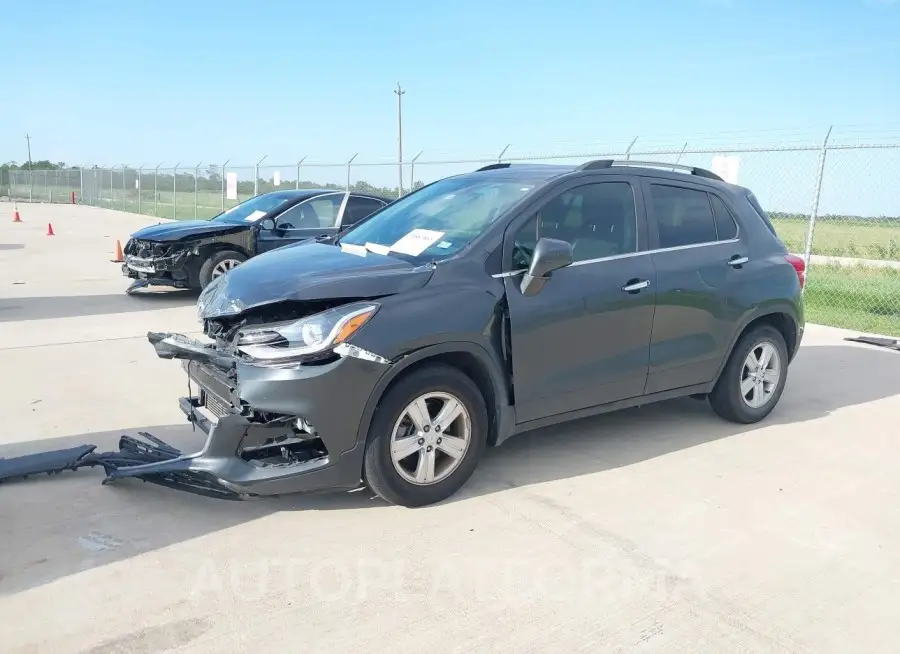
column 310, row 335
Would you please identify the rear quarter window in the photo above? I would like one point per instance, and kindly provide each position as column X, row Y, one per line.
column 762, row 214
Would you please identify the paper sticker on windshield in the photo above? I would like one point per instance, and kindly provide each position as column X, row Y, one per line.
column 444, row 244
column 256, row 214
column 378, row 249
column 358, row 250
column 416, row 242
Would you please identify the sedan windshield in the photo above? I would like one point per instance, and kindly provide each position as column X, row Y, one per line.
column 252, row 209
column 439, row 220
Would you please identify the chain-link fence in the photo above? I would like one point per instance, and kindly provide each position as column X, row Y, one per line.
column 836, row 204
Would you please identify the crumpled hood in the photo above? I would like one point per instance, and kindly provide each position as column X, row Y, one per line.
column 179, row 230
column 308, row 271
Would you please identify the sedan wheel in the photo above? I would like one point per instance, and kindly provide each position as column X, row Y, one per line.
column 223, row 267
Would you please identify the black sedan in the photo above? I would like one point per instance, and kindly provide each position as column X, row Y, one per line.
column 189, row 254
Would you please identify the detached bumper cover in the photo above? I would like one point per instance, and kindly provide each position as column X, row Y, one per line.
column 133, row 454
column 329, row 397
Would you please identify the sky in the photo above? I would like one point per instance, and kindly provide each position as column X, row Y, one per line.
column 118, row 82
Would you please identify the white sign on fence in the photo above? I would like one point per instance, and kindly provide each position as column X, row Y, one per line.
column 137, row 183
column 276, row 178
column 726, row 167
column 231, row 186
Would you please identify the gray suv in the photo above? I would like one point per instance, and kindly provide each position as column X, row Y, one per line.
column 478, row 307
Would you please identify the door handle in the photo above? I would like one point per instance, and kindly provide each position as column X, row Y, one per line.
column 737, row 260
column 635, row 286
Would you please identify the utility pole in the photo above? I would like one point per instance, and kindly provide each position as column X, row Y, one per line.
column 399, row 91
column 28, row 141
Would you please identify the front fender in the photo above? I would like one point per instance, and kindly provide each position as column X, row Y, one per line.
column 503, row 418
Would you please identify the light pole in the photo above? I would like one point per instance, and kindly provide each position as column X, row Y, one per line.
column 400, row 92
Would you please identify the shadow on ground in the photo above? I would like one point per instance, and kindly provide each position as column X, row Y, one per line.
column 54, row 527
column 69, row 306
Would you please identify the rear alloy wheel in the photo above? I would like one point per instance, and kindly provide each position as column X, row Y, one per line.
column 218, row 264
column 754, row 377
column 426, row 438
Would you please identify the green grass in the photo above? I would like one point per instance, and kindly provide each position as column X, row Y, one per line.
column 877, row 238
column 862, row 299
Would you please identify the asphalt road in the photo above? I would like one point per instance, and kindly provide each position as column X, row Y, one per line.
column 655, row 529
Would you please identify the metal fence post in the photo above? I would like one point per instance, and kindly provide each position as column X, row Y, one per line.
column 297, row 183
column 631, row 145
column 813, row 214
column 81, row 184
column 124, row 189
column 256, row 176
column 224, row 175
column 175, row 191
column 348, row 170
column 412, row 172
column 140, row 185
column 156, row 190
column 196, row 176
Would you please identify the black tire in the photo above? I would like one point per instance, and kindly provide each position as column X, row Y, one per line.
column 217, row 257
column 726, row 398
column 378, row 468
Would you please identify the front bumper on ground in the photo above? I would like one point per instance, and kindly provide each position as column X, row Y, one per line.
column 270, row 430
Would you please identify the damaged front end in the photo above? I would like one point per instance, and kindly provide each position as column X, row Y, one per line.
column 157, row 264
column 280, row 398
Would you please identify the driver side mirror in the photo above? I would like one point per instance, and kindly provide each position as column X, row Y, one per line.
column 549, row 254
column 268, row 224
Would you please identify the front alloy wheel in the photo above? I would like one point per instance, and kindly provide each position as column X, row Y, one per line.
column 426, row 437
column 430, row 438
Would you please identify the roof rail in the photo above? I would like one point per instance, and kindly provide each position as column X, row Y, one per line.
column 609, row 163
column 493, row 166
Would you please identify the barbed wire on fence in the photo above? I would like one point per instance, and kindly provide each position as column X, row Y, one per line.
column 837, row 203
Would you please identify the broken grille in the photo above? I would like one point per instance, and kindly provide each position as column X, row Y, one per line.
column 218, row 406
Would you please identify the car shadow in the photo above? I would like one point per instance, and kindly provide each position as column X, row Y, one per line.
column 55, row 527
column 69, row 306
column 822, row 379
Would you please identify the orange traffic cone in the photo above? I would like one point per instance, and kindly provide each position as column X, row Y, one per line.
column 49, row 230
column 118, row 256
column 16, row 218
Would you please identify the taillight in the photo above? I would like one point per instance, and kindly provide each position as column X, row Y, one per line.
column 800, row 266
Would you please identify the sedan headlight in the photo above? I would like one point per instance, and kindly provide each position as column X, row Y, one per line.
column 308, row 336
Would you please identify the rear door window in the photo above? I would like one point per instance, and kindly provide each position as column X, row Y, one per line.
column 684, row 216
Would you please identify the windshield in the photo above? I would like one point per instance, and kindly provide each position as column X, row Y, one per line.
column 252, row 209
column 439, row 220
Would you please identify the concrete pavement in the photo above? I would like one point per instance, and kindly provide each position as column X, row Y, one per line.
column 655, row 529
